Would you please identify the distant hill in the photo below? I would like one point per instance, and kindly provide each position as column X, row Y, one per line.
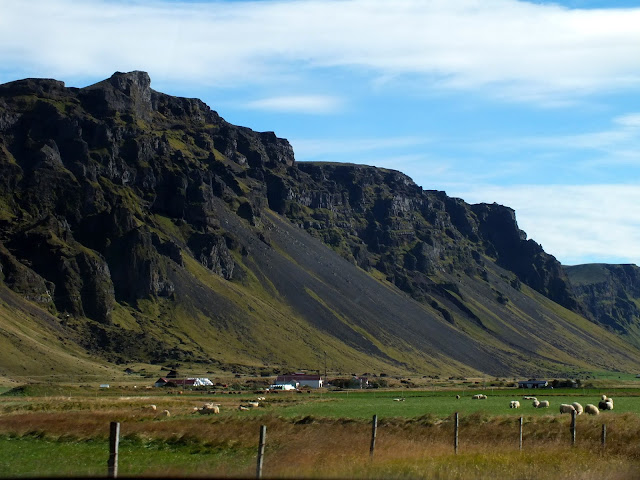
column 143, row 227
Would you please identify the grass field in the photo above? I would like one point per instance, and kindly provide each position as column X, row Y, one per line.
column 44, row 433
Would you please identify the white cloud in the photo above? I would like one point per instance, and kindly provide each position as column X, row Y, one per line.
column 311, row 104
column 576, row 224
column 524, row 51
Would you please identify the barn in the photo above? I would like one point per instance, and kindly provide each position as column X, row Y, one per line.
column 301, row 380
column 533, row 384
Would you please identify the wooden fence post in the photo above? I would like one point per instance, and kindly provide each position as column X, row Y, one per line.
column 374, row 430
column 520, row 438
column 263, row 434
column 604, row 435
column 455, row 433
column 114, row 442
column 573, row 428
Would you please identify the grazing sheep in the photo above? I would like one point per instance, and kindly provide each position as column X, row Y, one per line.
column 208, row 409
column 590, row 409
column 514, row 404
column 606, row 403
column 457, row 397
column 535, row 403
column 578, row 408
column 479, row 396
column 398, row 399
column 564, row 408
column 151, row 408
column 544, row 404
column 243, row 407
column 528, row 397
column 253, row 404
column 166, row 413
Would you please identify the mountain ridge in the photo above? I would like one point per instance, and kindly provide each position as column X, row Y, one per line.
column 150, row 229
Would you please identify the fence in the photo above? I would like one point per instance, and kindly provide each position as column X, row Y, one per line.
column 114, row 440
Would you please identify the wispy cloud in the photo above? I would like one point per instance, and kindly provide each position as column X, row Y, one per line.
column 512, row 49
column 309, row 104
column 574, row 223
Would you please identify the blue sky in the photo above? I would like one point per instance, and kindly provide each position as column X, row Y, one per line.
column 534, row 105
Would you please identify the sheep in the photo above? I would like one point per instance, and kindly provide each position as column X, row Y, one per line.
column 479, row 396
column 564, row 408
column 514, row 404
column 151, row 408
column 243, row 407
column 457, row 397
column 398, row 399
column 528, row 397
column 208, row 409
column 253, row 404
column 578, row 408
column 535, row 403
column 590, row 409
column 606, row 403
column 544, row 404
column 166, row 413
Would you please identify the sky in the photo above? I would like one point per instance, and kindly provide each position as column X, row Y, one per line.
column 530, row 104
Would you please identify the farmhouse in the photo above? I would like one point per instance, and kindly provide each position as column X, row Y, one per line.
column 533, row 384
column 300, row 380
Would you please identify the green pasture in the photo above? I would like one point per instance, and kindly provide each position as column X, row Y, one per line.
column 441, row 404
column 31, row 456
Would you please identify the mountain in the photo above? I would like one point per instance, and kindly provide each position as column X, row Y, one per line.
column 611, row 296
column 143, row 227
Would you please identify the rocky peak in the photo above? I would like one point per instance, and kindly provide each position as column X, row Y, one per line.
column 123, row 93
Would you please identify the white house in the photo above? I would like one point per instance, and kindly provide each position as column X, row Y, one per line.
column 301, row 380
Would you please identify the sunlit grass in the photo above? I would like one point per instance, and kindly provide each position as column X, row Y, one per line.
column 63, row 436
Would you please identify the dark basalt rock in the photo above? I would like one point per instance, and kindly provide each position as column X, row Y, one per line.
column 108, row 192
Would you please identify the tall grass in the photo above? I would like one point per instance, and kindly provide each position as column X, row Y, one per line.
column 65, row 436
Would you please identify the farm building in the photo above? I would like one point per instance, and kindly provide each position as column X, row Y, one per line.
column 182, row 382
column 533, row 384
column 300, row 380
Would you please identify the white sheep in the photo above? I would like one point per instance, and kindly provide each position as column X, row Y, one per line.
column 535, row 403
column 479, row 396
column 544, row 404
column 578, row 408
column 209, row 408
column 243, row 407
column 253, row 404
column 514, row 404
column 457, row 397
column 398, row 399
column 564, row 408
column 590, row 409
column 151, row 408
column 166, row 413
column 606, row 403
column 528, row 397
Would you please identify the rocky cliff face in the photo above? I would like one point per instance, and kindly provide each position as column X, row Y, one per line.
column 84, row 171
column 610, row 295
column 115, row 198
